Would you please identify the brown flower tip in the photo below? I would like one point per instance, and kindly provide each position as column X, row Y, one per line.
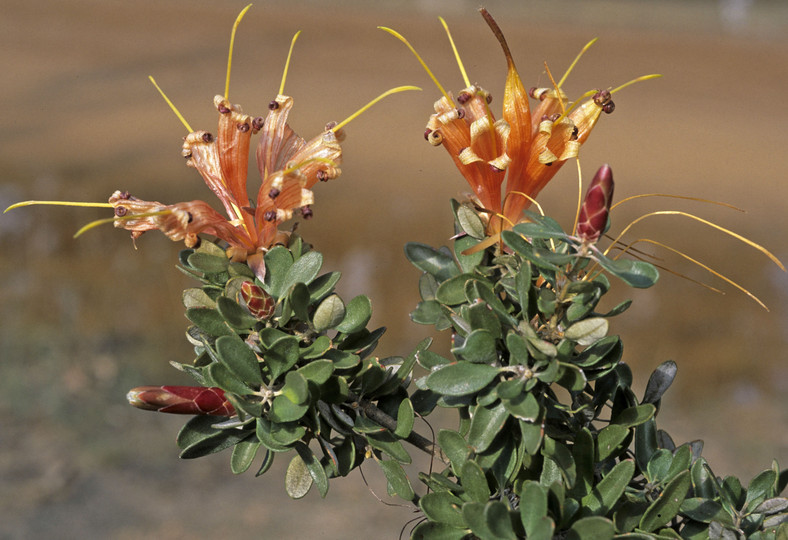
column 592, row 219
column 181, row 400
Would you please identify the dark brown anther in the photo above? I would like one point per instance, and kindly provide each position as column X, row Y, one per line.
column 322, row 175
column 608, row 107
column 427, row 134
column 243, row 128
column 223, row 109
column 121, row 211
column 190, row 218
column 273, row 105
column 495, row 169
column 488, row 98
column 435, row 138
column 257, row 123
column 207, row 137
column 532, row 92
column 125, row 195
column 460, row 113
column 554, row 117
column 306, row 212
column 270, row 215
column 575, row 132
column 331, row 125
column 463, row 97
column 274, row 193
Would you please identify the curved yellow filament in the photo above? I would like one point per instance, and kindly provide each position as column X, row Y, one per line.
column 575, row 61
column 637, row 80
column 59, row 203
column 94, row 224
column 356, row 114
column 287, row 63
column 171, row 104
column 696, row 199
column 230, row 54
column 739, row 237
column 456, row 53
column 423, row 64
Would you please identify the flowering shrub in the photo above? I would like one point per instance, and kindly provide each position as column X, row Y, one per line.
column 551, row 440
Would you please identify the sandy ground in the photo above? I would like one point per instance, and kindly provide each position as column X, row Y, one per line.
column 82, row 321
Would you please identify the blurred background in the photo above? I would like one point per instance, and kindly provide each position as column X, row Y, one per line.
column 82, row 321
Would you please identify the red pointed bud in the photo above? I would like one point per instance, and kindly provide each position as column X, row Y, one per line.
column 259, row 303
column 181, row 400
column 596, row 206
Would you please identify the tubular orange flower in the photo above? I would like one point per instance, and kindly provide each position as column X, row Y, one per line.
column 524, row 148
column 289, row 167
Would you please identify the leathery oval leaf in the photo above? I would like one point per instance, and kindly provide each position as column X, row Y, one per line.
column 486, row 423
column 296, row 388
column 452, row 291
column 315, row 468
column 405, row 419
column 243, row 454
column 357, row 314
column 284, row 410
column 278, row 261
column 304, row 270
column 461, row 379
column 474, row 481
column 298, row 480
column 397, row 479
column 329, row 313
column 433, row 261
column 317, row 371
column 479, row 347
column 587, row 331
column 236, row 355
column 442, row 507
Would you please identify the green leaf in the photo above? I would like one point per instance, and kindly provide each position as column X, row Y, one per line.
column 199, row 438
column 430, row 530
column 533, row 506
column 208, row 264
column 703, row 484
column 560, row 454
column 243, row 454
column 524, row 406
column 610, row 441
column 760, row 488
column 571, row 377
column 660, row 381
column 467, row 262
column 474, row 481
column 667, row 504
column 583, row 454
column 197, row 298
column 236, row 355
column 222, row 377
column 479, row 347
column 703, row 510
column 298, row 480
column 209, row 321
column 486, row 423
column 281, row 356
column 304, row 270
column 388, row 443
column 608, row 491
column 264, row 434
column 286, row 433
column 322, row 286
column 315, row 468
column 645, row 443
column 278, row 261
column 397, row 479
column 296, row 389
column 591, row 528
column 455, row 447
column 442, row 507
column 634, row 416
column 329, row 313
column 285, row 410
column 452, row 291
column 405, row 419
column 428, row 259
column 427, row 312
column 234, row 314
column 496, row 514
column 473, row 514
column 317, row 371
column 461, row 379
column 299, row 301
column 588, row 331
column 470, row 222
column 638, row 274
column 357, row 314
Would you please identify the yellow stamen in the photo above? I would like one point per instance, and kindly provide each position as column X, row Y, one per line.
column 750, row 243
column 230, row 55
column 172, row 106
column 300, row 164
column 287, row 63
column 533, row 201
column 575, row 61
column 456, row 54
column 94, row 224
column 423, row 64
column 59, row 203
column 637, row 80
column 579, row 189
column 557, row 92
column 696, row 199
column 353, row 116
column 705, row 267
column 484, row 244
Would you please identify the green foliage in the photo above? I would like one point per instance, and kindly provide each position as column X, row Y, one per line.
column 551, row 442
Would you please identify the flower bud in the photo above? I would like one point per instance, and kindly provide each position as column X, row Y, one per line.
column 181, row 400
column 592, row 220
column 259, row 303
